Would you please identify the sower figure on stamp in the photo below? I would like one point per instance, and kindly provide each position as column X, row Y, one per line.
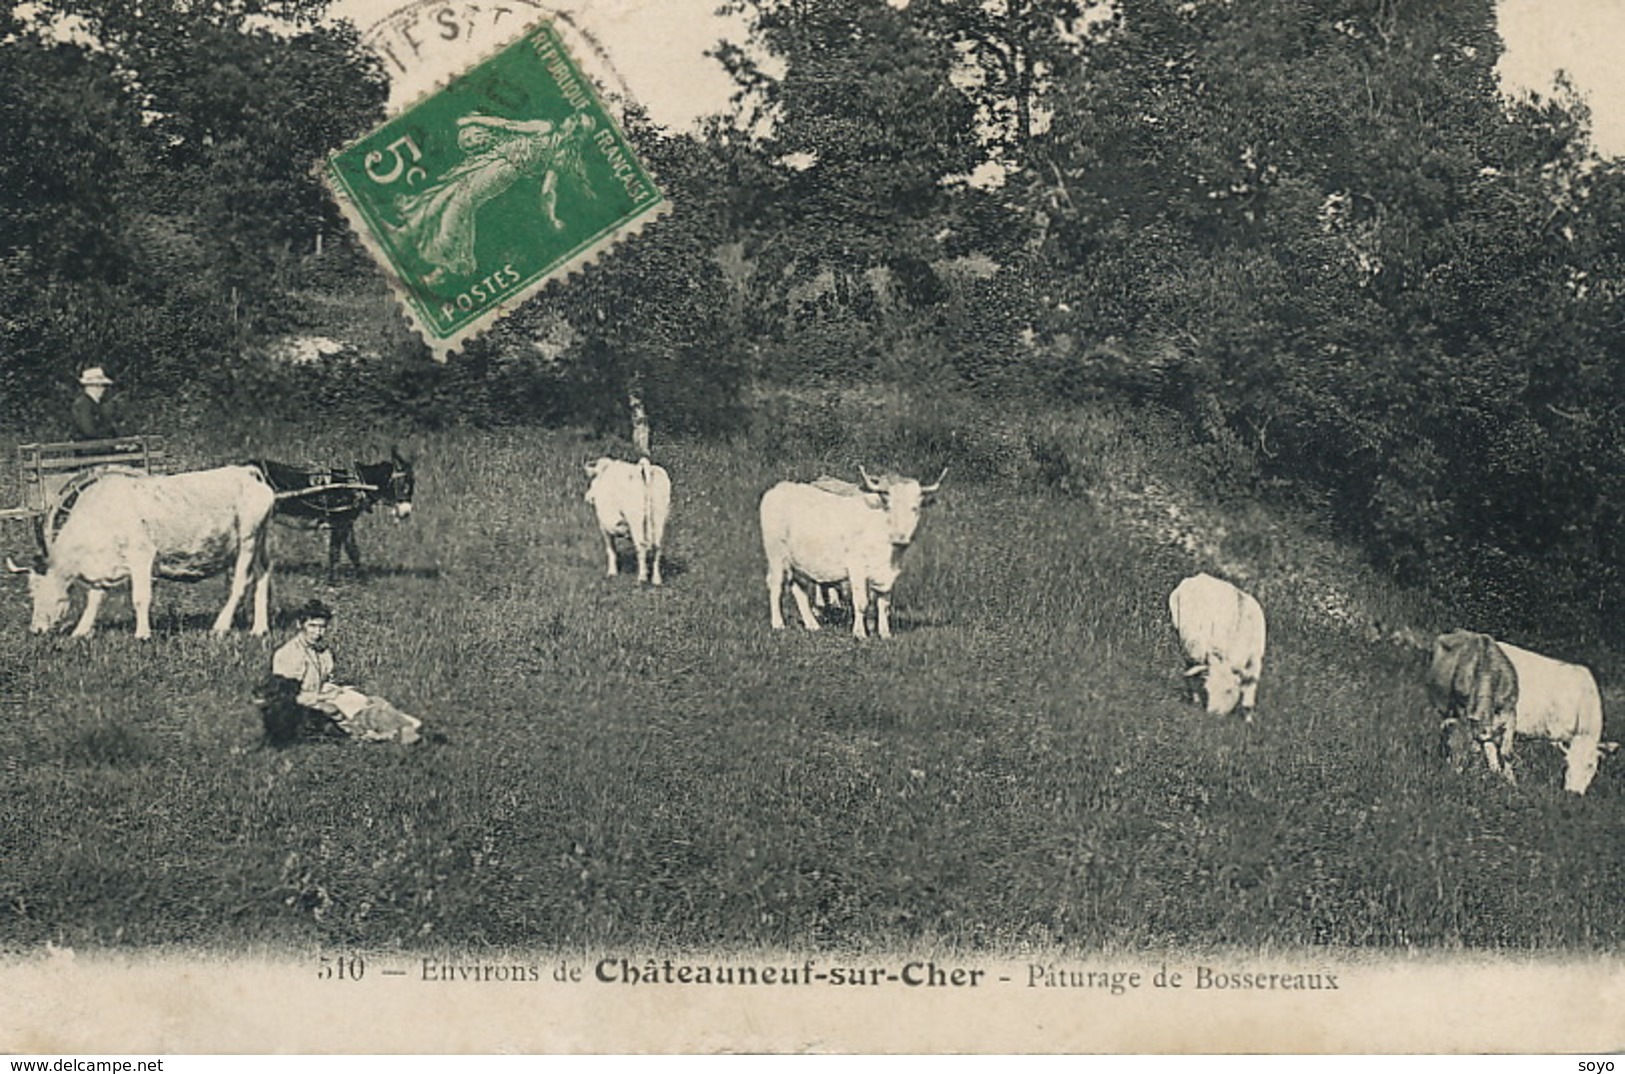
column 306, row 660
column 93, row 417
column 438, row 223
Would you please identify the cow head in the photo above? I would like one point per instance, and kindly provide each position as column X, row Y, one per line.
column 1457, row 743
column 1221, row 685
column 902, row 498
column 49, row 591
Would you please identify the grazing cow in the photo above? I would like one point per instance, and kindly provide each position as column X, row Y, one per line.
column 1560, row 703
column 631, row 501
column 1221, row 630
column 182, row 526
column 1474, row 689
column 329, row 499
column 816, row 536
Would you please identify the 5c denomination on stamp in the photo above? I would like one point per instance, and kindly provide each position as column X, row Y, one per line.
column 510, row 176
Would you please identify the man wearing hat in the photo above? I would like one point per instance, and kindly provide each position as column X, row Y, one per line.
column 92, row 418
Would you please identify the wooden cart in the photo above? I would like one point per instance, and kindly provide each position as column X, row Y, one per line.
column 51, row 477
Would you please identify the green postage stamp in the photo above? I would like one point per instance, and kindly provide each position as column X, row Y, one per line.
column 511, row 175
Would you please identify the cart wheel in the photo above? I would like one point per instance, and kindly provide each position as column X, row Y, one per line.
column 56, row 512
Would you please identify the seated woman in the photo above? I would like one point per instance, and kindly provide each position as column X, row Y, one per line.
column 307, row 661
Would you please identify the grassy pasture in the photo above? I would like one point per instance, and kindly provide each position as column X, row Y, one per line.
column 638, row 769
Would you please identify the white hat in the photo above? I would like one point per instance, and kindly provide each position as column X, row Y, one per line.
column 94, row 375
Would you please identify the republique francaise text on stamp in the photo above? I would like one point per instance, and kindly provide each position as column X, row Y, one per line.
column 474, row 198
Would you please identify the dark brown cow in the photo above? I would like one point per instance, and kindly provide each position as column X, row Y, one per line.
column 1474, row 689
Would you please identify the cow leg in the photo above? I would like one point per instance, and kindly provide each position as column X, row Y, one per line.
column 93, row 606
column 1249, row 696
column 775, row 595
column 1499, row 761
column 643, row 562
column 141, row 568
column 654, row 565
column 860, row 606
column 262, row 589
column 883, row 614
column 246, row 552
column 804, row 605
column 1507, row 739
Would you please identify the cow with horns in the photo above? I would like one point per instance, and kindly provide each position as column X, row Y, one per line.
column 133, row 527
column 825, row 534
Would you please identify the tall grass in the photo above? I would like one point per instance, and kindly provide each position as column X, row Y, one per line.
column 630, row 768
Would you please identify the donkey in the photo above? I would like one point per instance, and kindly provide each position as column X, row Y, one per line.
column 332, row 499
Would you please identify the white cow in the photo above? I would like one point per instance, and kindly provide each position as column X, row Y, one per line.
column 1221, row 630
column 1558, row 702
column 631, row 500
column 182, row 526
column 822, row 537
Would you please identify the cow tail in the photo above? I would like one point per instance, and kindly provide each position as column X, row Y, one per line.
column 648, row 501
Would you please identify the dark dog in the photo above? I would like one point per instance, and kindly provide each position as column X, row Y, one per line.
column 286, row 721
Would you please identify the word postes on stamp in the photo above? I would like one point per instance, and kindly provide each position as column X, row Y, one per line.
column 510, row 176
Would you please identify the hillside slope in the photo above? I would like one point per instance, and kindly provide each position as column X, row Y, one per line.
column 617, row 767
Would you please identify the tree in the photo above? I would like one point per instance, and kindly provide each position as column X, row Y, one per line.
column 650, row 321
column 1014, row 51
column 157, row 167
column 68, row 140
column 246, row 118
column 866, row 142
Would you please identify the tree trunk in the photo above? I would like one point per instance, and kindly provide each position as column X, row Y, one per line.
column 640, row 421
column 1024, row 101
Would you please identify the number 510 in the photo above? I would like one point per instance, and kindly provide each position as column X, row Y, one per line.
column 341, row 968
